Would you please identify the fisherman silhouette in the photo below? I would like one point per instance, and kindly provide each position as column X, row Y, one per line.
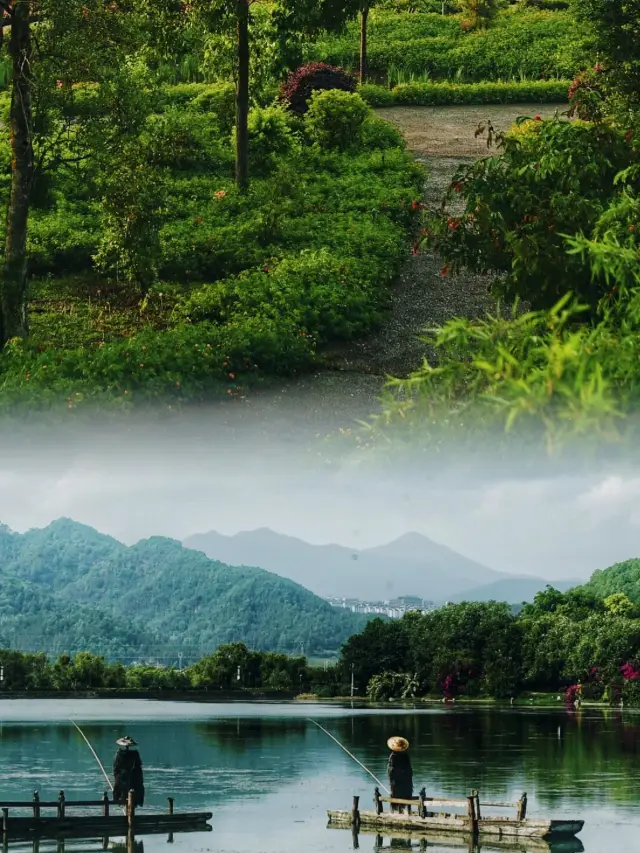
column 127, row 772
column 400, row 772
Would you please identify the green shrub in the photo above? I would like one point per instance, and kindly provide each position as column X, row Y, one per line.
column 185, row 141
column 220, row 102
column 326, row 296
column 184, row 363
column 376, row 96
column 62, row 242
column 378, row 134
column 271, row 137
column 335, row 119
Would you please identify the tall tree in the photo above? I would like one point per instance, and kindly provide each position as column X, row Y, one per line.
column 13, row 286
column 51, row 47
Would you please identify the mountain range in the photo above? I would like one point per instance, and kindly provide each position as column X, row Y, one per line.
column 410, row 565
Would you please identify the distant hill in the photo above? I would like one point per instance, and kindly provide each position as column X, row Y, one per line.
column 67, row 583
column 411, row 565
column 510, row 590
column 621, row 577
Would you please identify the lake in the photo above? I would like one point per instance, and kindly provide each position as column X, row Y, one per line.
column 269, row 775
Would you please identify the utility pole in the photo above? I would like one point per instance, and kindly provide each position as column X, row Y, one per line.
column 352, row 687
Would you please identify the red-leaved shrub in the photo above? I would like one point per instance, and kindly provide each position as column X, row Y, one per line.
column 296, row 91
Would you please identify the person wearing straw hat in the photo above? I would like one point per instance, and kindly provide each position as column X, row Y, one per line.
column 400, row 772
column 127, row 772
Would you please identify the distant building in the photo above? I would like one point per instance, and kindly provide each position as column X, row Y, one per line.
column 394, row 609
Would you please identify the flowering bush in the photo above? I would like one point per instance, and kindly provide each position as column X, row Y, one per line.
column 300, row 85
column 586, row 95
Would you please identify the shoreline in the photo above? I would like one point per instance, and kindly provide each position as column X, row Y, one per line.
column 538, row 701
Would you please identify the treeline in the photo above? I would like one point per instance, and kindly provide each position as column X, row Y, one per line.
column 574, row 643
column 231, row 667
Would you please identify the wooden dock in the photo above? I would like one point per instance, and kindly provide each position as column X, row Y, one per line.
column 472, row 821
column 108, row 819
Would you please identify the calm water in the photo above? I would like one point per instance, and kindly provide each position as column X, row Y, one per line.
column 269, row 775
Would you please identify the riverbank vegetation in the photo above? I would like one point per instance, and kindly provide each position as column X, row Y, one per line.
column 574, row 644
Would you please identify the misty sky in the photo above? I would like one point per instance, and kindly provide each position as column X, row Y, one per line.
column 176, row 480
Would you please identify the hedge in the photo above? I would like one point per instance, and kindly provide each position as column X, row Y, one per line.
column 448, row 94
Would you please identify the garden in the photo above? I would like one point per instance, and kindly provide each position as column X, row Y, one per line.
column 185, row 236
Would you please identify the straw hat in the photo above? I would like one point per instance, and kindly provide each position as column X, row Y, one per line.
column 126, row 741
column 398, row 744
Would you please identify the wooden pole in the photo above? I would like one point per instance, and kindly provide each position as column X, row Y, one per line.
column 422, row 808
column 131, row 808
column 105, row 804
column 471, row 811
column 61, row 805
column 355, row 813
column 476, row 797
column 170, row 800
column 377, row 802
column 36, row 805
column 522, row 807
column 5, row 822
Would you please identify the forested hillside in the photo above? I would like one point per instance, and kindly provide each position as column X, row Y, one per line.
column 68, row 587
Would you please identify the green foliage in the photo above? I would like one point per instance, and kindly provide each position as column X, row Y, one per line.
column 271, row 138
column 482, row 649
column 449, row 94
column 521, row 45
column 622, row 578
column 441, row 94
column 335, row 119
column 479, row 14
column 380, row 135
column 553, row 178
column 391, row 685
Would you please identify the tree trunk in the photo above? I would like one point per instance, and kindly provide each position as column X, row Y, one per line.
column 364, row 15
column 13, row 282
column 242, row 96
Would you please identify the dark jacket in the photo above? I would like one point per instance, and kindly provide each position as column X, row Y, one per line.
column 127, row 774
column 400, row 775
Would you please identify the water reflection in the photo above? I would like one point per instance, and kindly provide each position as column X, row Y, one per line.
column 424, row 842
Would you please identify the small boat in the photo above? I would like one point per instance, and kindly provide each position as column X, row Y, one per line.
column 473, row 821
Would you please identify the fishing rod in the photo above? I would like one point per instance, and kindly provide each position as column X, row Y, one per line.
column 95, row 755
column 350, row 754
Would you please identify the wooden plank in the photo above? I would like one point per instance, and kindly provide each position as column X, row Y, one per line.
column 441, row 802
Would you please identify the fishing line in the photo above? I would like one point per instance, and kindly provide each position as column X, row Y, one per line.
column 104, row 772
column 349, row 754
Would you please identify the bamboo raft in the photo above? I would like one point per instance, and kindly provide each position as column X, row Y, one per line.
column 472, row 822
column 112, row 819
